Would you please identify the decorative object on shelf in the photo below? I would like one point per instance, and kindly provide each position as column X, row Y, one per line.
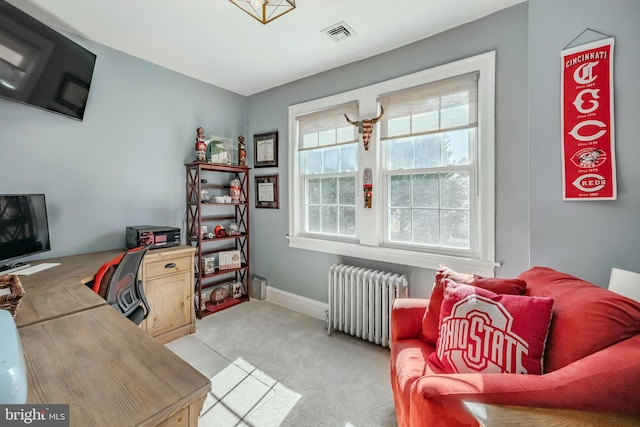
column 233, row 229
column 209, row 264
column 234, row 190
column 220, row 294
column 265, row 149
column 201, row 145
column 267, row 191
column 242, row 151
column 204, row 196
column 229, row 260
column 203, row 231
column 218, row 153
column 236, row 290
column 265, row 11
column 220, row 231
column 365, row 127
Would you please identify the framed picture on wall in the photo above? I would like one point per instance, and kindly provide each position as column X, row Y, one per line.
column 266, row 149
column 266, row 191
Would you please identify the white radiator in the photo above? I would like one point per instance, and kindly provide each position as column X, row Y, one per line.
column 360, row 301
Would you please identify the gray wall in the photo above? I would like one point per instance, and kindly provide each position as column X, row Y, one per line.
column 305, row 272
column 585, row 239
column 122, row 165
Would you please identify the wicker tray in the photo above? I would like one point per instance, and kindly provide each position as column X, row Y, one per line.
column 12, row 300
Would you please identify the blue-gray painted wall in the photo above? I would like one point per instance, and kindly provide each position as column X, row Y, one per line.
column 123, row 165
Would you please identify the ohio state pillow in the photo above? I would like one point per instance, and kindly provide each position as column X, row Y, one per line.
column 431, row 319
column 481, row 331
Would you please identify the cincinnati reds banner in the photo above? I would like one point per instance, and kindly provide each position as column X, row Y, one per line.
column 588, row 161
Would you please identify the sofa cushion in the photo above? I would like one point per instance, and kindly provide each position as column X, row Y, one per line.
column 431, row 319
column 481, row 331
column 586, row 317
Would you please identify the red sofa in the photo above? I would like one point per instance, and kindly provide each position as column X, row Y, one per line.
column 591, row 359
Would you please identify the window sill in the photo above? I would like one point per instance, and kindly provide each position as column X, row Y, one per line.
column 395, row 256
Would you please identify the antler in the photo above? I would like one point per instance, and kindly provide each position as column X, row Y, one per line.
column 350, row 121
column 378, row 118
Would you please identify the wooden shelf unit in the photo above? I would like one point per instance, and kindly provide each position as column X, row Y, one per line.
column 216, row 179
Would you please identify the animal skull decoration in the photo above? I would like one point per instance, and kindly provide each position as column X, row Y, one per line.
column 365, row 127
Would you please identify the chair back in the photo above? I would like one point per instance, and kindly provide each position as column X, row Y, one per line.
column 626, row 283
column 120, row 286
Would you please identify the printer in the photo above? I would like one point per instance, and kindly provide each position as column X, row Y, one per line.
column 154, row 236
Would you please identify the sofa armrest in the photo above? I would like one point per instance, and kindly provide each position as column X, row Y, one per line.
column 406, row 317
column 604, row 381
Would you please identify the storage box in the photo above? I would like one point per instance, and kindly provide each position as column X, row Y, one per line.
column 258, row 288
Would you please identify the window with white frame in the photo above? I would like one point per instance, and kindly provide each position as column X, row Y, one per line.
column 432, row 163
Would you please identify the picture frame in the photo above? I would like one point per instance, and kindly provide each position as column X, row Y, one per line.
column 266, row 191
column 265, row 147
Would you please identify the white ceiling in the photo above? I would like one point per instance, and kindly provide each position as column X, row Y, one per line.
column 216, row 42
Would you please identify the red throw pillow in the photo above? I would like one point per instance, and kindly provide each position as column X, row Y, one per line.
column 481, row 331
column 431, row 319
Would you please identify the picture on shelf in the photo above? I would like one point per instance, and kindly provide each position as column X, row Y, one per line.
column 236, row 290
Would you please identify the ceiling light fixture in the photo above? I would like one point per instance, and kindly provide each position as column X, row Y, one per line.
column 265, row 11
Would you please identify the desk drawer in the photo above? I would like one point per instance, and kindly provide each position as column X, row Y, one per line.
column 167, row 266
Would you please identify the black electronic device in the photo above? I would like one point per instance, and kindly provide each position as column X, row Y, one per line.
column 41, row 67
column 154, row 236
column 24, row 228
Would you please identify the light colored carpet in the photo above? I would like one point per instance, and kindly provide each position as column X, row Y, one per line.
column 271, row 366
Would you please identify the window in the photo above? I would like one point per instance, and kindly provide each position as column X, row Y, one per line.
column 432, row 164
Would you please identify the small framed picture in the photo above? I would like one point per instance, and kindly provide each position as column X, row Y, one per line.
column 265, row 149
column 236, row 289
column 266, row 191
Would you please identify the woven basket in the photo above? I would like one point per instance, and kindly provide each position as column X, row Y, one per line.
column 12, row 300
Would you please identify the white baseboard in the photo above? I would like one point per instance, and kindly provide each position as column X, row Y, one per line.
column 298, row 303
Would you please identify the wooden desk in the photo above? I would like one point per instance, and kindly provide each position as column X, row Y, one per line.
column 62, row 289
column 81, row 352
column 505, row 415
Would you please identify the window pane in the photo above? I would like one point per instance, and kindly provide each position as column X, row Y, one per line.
column 426, row 226
column 313, row 191
column 455, row 229
column 329, row 191
column 347, row 220
column 456, row 146
column 329, row 219
column 349, row 158
column 454, row 190
column 311, row 161
column 345, row 134
column 327, row 137
column 331, row 158
column 399, row 154
column 425, row 191
column 399, row 221
column 313, row 219
column 400, row 191
column 427, row 151
column 347, row 194
column 399, row 126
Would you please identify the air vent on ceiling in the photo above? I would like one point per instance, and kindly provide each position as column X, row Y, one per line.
column 339, row 31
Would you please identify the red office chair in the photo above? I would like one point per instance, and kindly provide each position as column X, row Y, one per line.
column 117, row 282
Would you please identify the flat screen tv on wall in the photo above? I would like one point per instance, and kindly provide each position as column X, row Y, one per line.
column 41, row 67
